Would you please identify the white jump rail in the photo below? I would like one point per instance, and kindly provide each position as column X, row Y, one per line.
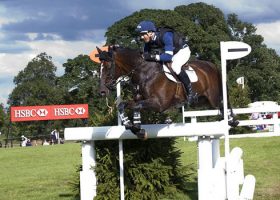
column 154, row 131
column 271, row 109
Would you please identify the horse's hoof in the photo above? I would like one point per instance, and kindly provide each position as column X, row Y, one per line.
column 233, row 123
column 142, row 134
column 128, row 125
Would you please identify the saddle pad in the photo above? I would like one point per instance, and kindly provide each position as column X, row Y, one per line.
column 168, row 73
column 190, row 72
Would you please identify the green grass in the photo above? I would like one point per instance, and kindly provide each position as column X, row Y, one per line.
column 41, row 173
column 44, row 172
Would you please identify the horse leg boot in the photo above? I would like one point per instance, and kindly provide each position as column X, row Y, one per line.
column 232, row 121
column 124, row 119
column 184, row 78
column 136, row 128
column 231, row 118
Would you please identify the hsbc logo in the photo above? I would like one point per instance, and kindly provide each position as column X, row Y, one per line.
column 42, row 112
column 80, row 111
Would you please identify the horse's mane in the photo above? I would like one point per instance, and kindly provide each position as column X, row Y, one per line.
column 125, row 51
column 128, row 55
column 133, row 57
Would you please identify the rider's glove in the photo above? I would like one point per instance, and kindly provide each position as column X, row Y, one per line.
column 149, row 57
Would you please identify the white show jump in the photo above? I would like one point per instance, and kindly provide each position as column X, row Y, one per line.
column 154, row 131
column 219, row 178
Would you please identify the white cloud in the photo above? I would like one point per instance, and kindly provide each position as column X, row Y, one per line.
column 10, row 64
column 271, row 33
column 137, row 5
column 6, row 89
column 59, row 50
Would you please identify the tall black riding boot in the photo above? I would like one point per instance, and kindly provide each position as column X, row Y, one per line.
column 184, row 78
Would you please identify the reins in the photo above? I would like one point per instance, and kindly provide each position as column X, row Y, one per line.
column 123, row 77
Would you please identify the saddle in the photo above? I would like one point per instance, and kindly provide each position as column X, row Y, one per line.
column 171, row 75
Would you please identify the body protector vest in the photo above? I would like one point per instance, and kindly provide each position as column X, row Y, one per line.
column 157, row 47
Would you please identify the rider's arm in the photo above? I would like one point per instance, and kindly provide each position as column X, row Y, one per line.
column 146, row 48
column 168, row 48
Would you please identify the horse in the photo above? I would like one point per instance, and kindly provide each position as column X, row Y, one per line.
column 153, row 90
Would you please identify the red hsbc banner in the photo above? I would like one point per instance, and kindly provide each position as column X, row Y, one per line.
column 52, row 112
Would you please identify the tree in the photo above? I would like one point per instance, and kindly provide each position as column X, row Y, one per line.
column 260, row 68
column 2, row 116
column 209, row 27
column 35, row 85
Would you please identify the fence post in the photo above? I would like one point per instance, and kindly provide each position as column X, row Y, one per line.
column 204, row 171
column 276, row 128
column 87, row 175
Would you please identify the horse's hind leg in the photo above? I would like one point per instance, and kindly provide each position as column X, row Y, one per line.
column 231, row 121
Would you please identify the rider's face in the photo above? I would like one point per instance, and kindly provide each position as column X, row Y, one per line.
column 146, row 37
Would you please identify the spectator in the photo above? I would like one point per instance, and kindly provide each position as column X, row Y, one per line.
column 23, row 141
column 256, row 116
column 54, row 136
column 28, row 143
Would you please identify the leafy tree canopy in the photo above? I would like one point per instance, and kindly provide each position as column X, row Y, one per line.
column 36, row 84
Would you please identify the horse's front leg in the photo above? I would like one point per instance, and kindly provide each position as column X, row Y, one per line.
column 135, row 127
column 124, row 118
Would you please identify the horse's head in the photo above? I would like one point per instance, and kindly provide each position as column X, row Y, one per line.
column 116, row 62
column 106, row 71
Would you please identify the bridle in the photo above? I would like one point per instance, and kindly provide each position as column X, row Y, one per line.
column 112, row 70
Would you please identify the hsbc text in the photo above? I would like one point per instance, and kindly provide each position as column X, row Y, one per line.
column 64, row 111
column 25, row 113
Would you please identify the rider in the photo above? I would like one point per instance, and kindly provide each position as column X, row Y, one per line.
column 165, row 45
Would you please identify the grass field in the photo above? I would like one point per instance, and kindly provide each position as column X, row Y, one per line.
column 44, row 172
column 38, row 173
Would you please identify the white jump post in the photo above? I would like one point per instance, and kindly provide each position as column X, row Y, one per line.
column 229, row 51
column 120, row 147
column 218, row 178
column 88, row 181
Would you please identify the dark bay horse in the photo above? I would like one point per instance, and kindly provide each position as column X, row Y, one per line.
column 154, row 91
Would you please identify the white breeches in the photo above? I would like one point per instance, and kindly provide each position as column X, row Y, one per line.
column 180, row 58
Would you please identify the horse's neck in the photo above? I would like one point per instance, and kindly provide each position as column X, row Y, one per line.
column 135, row 66
column 145, row 72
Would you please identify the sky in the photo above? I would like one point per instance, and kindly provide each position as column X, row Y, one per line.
column 65, row 29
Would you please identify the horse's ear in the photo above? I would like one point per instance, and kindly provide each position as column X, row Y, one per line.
column 99, row 50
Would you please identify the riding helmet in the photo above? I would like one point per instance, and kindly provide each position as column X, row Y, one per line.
column 145, row 26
